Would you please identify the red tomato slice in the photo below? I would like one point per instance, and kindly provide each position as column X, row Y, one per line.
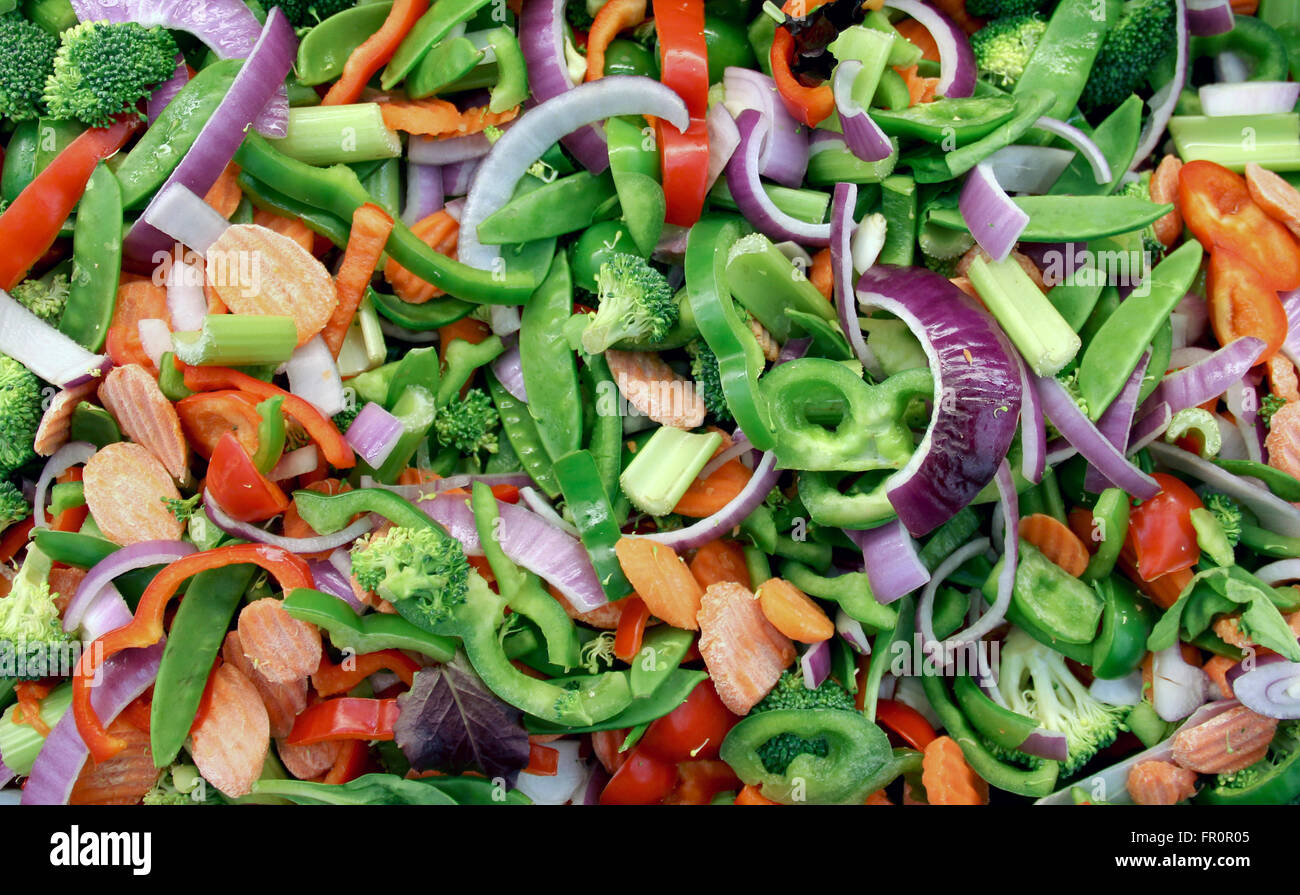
column 1161, row 532
column 642, row 780
column 692, row 731
column 238, row 487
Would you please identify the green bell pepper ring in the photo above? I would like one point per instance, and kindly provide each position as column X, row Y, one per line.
column 1055, row 600
column 365, row 633
column 670, row 693
column 588, row 502
column 418, row 318
column 859, row 760
column 96, row 261
column 898, row 205
column 1126, row 623
column 662, row 650
column 1110, row 528
column 549, row 368
column 870, row 432
column 271, row 433
column 521, row 432
column 1001, row 726
column 768, row 285
column 740, row 359
column 1254, row 40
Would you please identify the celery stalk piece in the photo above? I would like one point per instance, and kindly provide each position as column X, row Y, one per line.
column 327, row 135
column 768, row 284
column 363, row 347
column 1270, row 141
column 237, row 339
column 1036, row 328
column 665, row 466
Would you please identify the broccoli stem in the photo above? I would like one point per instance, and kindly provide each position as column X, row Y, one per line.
column 327, row 135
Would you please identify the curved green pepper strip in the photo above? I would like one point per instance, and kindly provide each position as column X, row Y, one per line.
column 511, row 87
column 1057, row 602
column 1035, row 784
column 325, row 49
column 662, row 650
column 870, row 432
column 521, row 590
column 588, row 503
column 548, row 364
column 521, row 430
column 900, row 632
column 270, row 434
column 419, row 367
column 606, row 440
column 1110, row 528
column 1001, row 726
column 827, row 505
column 463, row 358
column 365, row 633
column 319, row 222
column 1266, row 542
column 740, row 359
column 1252, row 39
column 418, row 318
column 429, row 30
column 859, row 759
column 671, row 693
column 1126, row 623
column 97, row 259
column 852, row 591
column 328, row 513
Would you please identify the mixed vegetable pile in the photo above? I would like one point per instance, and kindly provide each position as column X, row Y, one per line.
column 628, row 402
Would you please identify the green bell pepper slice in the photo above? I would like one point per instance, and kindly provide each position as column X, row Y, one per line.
column 1001, row 726
column 662, row 650
column 1279, row 785
column 1110, row 528
column 1126, row 623
column 1056, row 601
column 851, row 591
column 365, row 633
column 588, row 502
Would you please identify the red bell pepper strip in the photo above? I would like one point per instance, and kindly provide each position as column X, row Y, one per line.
column 146, row 628
column 31, row 223
column 374, row 52
column 809, row 105
column 322, row 430
column 543, row 761
column 15, row 538
column 331, row 679
column 631, row 629
column 237, row 485
column 684, row 63
column 345, row 718
column 907, row 722
column 351, row 762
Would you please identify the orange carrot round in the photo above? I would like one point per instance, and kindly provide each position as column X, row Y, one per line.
column 720, row 560
column 948, row 779
column 1054, row 540
column 792, row 612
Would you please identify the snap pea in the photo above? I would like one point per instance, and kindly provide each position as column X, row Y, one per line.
column 521, row 431
column 20, row 160
column 1282, row 484
column 428, row 31
column 934, row 164
column 1269, row 543
column 605, row 443
column 1162, row 349
column 662, row 651
column 444, row 65
column 898, row 205
column 671, row 693
column 954, row 121
column 97, row 260
column 1117, row 138
column 563, row 206
column 549, row 368
column 589, row 504
column 1072, row 218
column 325, row 48
column 634, row 165
column 1063, row 59
column 193, row 642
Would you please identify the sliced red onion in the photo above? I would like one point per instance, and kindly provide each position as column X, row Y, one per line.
column 1152, row 426
column 121, row 679
column 458, row 176
column 545, row 123
column 227, row 27
column 314, row 377
column 1033, row 428
column 596, row 784
column 509, row 371
column 529, row 541
column 455, row 208
column 1247, row 421
column 184, row 216
column 295, row 463
column 541, row 37
column 1231, row 445
column 155, row 338
column 784, row 156
column 1291, row 304
column 1125, row 690
column 119, row 562
column 1189, row 320
column 1163, row 101
column 259, row 80
column 862, row 135
column 374, row 433
column 1029, row 169
column 1177, row 688
column 330, row 580
column 249, row 532
column 894, row 569
column 738, row 449
column 1283, row 571
column 1117, row 421
column 43, row 349
column 724, row 137
column 1188, row 355
column 1207, row 379
column 1206, row 18
column 1080, row 141
column 1084, row 437
column 851, row 630
column 424, row 192
column 1271, row 687
column 993, row 219
column 956, row 59
column 842, row 203
column 449, row 150
column 1274, row 513
column 1249, row 98
column 165, row 92
column 759, row 486
column 976, row 400
column 71, row 454
column 815, row 663
column 1049, row 744
column 747, row 188
column 506, row 319
column 186, row 304
column 934, row 647
column 108, row 613
column 541, row 506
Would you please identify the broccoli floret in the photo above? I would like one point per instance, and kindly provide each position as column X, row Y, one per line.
column 46, row 297
column 343, row 419
column 1035, row 681
column 636, row 302
column 418, row 570
column 1003, row 47
column 26, row 60
column 1285, row 742
column 1269, row 406
column 581, row 13
column 13, row 506
column 1000, row 9
column 103, row 69
column 306, row 13
column 708, row 381
column 1227, row 513
column 182, row 508
column 469, row 424
column 29, row 618
column 20, row 413
column 790, row 693
column 1141, row 37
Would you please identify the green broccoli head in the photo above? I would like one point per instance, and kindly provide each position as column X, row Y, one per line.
column 29, row 618
column 13, row 506
column 421, row 571
column 46, row 297
column 708, row 380
column 1141, row 37
column 469, row 424
column 581, row 13
column 103, row 69
column 1000, row 9
column 636, row 302
column 1269, row 406
column 1002, row 47
column 343, row 419
column 306, row 13
column 20, row 413
column 1035, row 682
column 1227, row 513
column 790, row 693
column 26, row 60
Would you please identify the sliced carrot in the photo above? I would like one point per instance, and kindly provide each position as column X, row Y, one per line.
column 919, row 89
column 1282, row 378
column 793, row 613
column 225, row 195
column 1056, row 541
column 125, row 487
column 64, row 581
column 294, row 228
column 1160, row 783
column 720, row 560
column 283, row 702
column 132, row 395
column 604, row 617
column 615, row 16
column 947, row 778
column 1217, row 668
column 744, row 652
column 1283, row 439
column 631, row 629
column 255, row 270
column 280, row 646
column 706, row 496
column 28, row 711
column 654, row 388
column 310, row 761
column 751, row 795
column 137, row 299
column 370, row 228
column 662, row 580
column 206, row 416
column 914, row 31
column 879, row 797
column 433, row 117
column 374, row 52
column 821, row 275
column 215, row 304
column 229, row 745
column 440, row 231
column 123, row 779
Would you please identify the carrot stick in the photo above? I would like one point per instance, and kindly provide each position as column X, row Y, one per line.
column 1055, row 541
column 375, row 52
column 370, row 228
column 439, row 231
column 435, row 117
column 615, row 16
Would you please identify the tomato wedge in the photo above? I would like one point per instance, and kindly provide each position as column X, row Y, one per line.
column 1242, row 303
column 642, row 780
column 1160, row 529
column 207, row 416
column 238, row 487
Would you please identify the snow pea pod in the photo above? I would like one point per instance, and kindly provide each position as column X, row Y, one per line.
column 898, row 205
column 549, row 369
column 19, row 161
column 1117, row 138
column 634, row 164
column 444, row 65
column 1071, row 218
column 325, row 49
column 1282, row 484
column 605, row 443
column 429, row 30
column 662, row 650
column 563, row 206
column 589, row 504
column 96, row 262
column 1064, row 56
column 934, row 164
column 93, row 423
column 521, row 431
column 954, row 121
column 368, row 633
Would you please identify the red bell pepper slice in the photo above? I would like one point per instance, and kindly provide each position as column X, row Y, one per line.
column 239, row 489
column 684, row 66
column 1160, row 531
column 345, row 718
column 331, row 679
column 31, row 223
column 907, row 722
column 631, row 629
column 543, row 761
column 146, row 627
column 809, row 105
column 351, row 763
